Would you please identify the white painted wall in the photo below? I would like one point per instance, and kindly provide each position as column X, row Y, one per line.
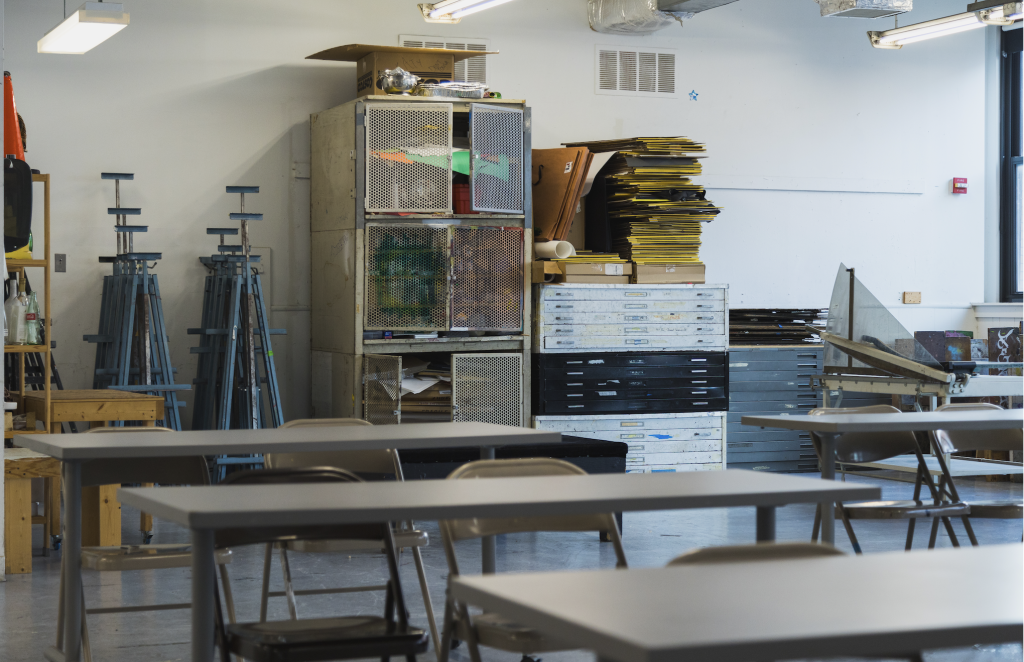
column 196, row 95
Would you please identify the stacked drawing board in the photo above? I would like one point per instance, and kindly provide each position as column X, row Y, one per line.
column 558, row 177
column 775, row 326
column 653, row 210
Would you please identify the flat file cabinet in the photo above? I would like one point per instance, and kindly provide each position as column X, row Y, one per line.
column 775, row 380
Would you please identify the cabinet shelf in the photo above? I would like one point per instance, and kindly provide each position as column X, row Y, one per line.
column 24, row 349
column 21, row 264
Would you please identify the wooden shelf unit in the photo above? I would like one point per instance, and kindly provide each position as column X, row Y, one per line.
column 19, row 266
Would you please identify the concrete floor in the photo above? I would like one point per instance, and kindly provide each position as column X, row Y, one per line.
column 28, row 603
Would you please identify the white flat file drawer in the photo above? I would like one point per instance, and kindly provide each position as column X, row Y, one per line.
column 615, row 343
column 588, row 292
column 560, row 330
column 630, row 307
column 670, row 468
column 652, row 459
column 632, row 317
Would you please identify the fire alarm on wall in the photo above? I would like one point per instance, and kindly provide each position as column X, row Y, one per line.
column 958, row 185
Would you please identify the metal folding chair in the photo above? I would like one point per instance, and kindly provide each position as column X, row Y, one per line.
column 494, row 630
column 368, row 465
column 166, row 471
column 852, row 448
column 955, row 441
column 310, row 640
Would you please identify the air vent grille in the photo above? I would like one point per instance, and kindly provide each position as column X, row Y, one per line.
column 650, row 72
column 472, row 69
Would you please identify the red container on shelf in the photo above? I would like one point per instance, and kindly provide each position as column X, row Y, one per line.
column 461, row 199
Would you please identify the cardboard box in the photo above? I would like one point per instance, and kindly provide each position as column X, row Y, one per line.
column 432, row 65
column 597, row 268
column 604, row 280
column 545, row 271
column 668, row 273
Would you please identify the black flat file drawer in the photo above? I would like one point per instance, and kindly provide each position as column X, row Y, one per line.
column 699, row 381
column 637, row 394
column 631, row 359
column 627, row 372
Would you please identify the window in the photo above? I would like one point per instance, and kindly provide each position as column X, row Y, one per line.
column 1011, row 265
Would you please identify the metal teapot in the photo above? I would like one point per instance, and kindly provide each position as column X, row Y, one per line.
column 397, row 81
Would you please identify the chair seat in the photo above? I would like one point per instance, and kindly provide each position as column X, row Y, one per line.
column 499, row 632
column 324, row 639
column 144, row 557
column 903, row 509
column 402, row 539
column 997, row 509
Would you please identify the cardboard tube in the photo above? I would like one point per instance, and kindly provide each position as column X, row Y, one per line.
column 551, row 250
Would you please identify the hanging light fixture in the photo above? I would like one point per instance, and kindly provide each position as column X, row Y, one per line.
column 979, row 14
column 89, row 26
column 451, row 11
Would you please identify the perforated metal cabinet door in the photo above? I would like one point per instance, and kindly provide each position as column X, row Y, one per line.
column 382, row 389
column 488, row 388
column 496, row 163
column 487, row 279
column 408, row 157
column 406, row 277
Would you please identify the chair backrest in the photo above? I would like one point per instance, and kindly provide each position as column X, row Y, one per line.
column 868, row 446
column 252, row 535
column 952, row 441
column 759, row 552
column 462, row 529
column 189, row 470
column 369, row 465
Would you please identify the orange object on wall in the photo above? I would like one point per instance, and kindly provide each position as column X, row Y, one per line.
column 12, row 132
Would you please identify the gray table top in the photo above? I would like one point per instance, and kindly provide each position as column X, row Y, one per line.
column 325, row 503
column 97, row 445
column 887, row 603
column 907, row 421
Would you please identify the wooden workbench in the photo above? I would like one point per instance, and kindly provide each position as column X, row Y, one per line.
column 101, row 512
column 20, row 467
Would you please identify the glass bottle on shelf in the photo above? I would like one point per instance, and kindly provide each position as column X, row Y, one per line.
column 9, row 304
column 19, row 325
column 32, row 336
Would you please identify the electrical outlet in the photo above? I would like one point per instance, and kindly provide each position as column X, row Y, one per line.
column 60, row 263
column 911, row 297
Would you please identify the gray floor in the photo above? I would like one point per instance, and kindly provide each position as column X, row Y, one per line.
column 28, row 602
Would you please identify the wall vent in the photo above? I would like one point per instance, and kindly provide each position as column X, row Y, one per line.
column 473, row 69
column 650, row 72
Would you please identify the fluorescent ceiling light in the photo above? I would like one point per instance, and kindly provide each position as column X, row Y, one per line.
column 993, row 14
column 89, row 26
column 455, row 9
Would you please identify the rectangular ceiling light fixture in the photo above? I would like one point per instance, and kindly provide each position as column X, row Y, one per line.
column 982, row 14
column 89, row 26
column 451, row 11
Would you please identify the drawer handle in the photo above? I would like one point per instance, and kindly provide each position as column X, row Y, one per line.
column 699, row 403
column 574, row 373
column 702, row 381
column 579, row 384
column 700, row 393
column 574, row 395
column 807, row 365
column 696, row 371
column 807, row 356
column 574, row 363
column 576, row 406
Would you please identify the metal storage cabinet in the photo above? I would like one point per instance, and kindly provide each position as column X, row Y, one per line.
column 656, row 442
column 429, row 269
column 776, row 380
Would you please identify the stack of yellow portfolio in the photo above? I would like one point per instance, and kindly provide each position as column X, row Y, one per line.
column 655, row 210
column 589, row 267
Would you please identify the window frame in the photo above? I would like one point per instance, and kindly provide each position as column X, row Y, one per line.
column 1011, row 130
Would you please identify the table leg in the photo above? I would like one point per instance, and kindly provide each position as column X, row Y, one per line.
column 488, row 551
column 766, row 524
column 72, row 562
column 828, row 472
column 203, row 582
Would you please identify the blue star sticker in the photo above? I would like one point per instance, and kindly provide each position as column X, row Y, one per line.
column 693, row 95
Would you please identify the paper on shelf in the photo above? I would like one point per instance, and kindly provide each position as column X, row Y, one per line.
column 417, row 385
